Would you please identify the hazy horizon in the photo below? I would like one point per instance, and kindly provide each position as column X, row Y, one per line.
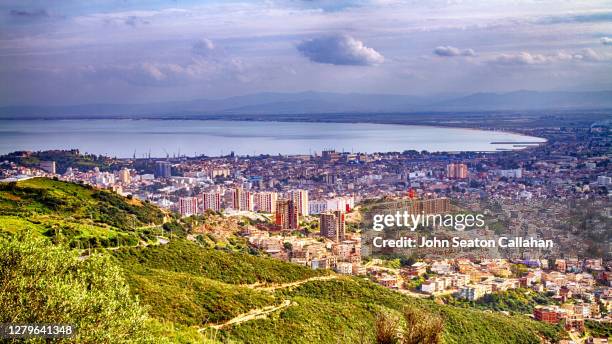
column 120, row 52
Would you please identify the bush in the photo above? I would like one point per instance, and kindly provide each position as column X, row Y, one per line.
column 42, row 283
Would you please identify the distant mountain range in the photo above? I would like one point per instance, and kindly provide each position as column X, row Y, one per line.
column 324, row 102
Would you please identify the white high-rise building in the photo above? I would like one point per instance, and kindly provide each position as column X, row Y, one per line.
column 265, row 202
column 212, row 201
column 317, row 207
column 300, row 198
column 342, row 203
column 242, row 200
column 188, row 206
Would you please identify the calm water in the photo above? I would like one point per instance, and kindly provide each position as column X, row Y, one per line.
column 122, row 138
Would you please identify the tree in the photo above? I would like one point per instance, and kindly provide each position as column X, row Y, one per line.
column 46, row 284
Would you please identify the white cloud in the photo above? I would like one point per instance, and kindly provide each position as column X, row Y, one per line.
column 522, row 58
column 606, row 40
column 526, row 58
column 450, row 51
column 589, row 55
column 168, row 74
column 339, row 50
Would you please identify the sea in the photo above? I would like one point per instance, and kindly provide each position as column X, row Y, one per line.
column 126, row 138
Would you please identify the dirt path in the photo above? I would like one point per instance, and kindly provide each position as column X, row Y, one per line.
column 259, row 313
column 268, row 287
column 250, row 315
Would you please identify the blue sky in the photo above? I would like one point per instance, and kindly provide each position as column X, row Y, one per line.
column 123, row 51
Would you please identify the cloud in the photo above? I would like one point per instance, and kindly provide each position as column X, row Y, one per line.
column 339, row 50
column 526, row 58
column 449, row 51
column 134, row 21
column 32, row 14
column 204, row 47
column 606, row 40
column 589, row 55
column 156, row 74
column 577, row 18
column 522, row 58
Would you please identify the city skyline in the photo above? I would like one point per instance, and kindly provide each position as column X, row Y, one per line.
column 130, row 52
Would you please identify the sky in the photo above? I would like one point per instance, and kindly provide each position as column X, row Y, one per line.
column 64, row 52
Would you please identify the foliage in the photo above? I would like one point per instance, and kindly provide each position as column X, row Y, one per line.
column 521, row 301
column 599, row 329
column 420, row 328
column 387, row 331
column 43, row 283
column 78, row 214
column 200, row 301
column 345, row 309
column 228, row 267
column 309, row 320
column 63, row 159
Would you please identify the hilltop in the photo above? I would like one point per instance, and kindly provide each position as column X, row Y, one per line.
column 63, row 159
column 80, row 214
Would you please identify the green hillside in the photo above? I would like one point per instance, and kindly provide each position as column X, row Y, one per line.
column 82, row 215
column 346, row 308
column 181, row 289
column 189, row 285
column 63, row 159
column 224, row 266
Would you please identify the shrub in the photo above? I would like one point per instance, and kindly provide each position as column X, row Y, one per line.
column 42, row 283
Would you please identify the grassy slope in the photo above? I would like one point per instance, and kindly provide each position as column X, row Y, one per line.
column 192, row 286
column 227, row 267
column 192, row 300
column 84, row 215
column 327, row 311
column 187, row 286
